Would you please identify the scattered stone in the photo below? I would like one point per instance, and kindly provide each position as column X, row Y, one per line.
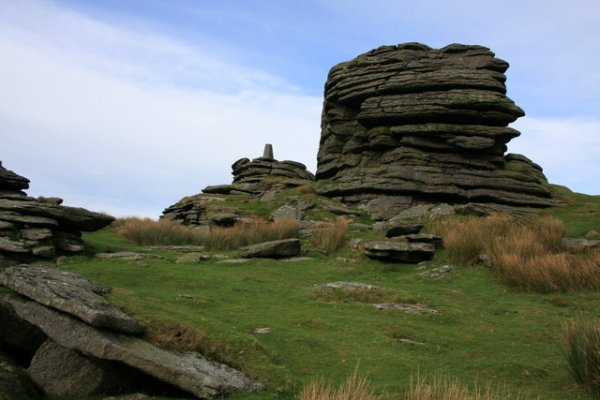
column 410, row 341
column 191, row 258
column 592, row 235
column 287, row 212
column 348, row 286
column 573, row 245
column 128, row 256
column 397, row 227
column 406, row 307
column 190, row 372
column 234, row 261
column 15, row 384
column 438, row 273
column 180, row 249
column 436, row 241
column 262, row 331
column 64, row 372
column 416, row 123
column 185, row 297
column 70, row 293
column 273, row 249
column 297, row 259
column 399, row 251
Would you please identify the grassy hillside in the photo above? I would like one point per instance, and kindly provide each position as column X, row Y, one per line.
column 484, row 333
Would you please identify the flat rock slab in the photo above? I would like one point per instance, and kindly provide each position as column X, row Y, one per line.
column 348, row 286
column 128, row 256
column 188, row 371
column 406, row 307
column 399, row 251
column 233, row 261
column 275, row 249
column 395, row 228
column 436, row 241
column 68, row 292
column 14, row 382
column 438, row 273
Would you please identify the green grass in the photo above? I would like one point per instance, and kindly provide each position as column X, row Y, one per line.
column 483, row 333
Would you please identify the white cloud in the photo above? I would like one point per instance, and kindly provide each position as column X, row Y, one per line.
column 567, row 150
column 135, row 144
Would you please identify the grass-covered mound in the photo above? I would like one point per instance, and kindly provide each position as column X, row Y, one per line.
column 485, row 332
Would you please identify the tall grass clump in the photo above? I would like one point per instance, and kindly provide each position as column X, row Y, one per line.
column 583, row 355
column 356, row 387
column 162, row 232
column 247, row 233
column 330, row 237
column 524, row 254
column 444, row 389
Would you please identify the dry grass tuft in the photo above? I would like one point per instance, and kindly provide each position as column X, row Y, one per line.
column 149, row 232
column 526, row 255
column 247, row 233
column 356, row 387
column 444, row 389
column 330, row 237
column 583, row 355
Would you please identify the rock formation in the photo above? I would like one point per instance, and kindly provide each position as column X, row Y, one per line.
column 263, row 174
column 80, row 345
column 407, row 124
column 258, row 177
column 39, row 228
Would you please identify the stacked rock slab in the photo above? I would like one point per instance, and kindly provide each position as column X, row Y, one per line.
column 424, row 125
column 250, row 177
column 262, row 174
column 39, row 228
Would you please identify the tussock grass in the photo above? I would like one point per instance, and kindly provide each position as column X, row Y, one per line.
column 247, row 233
column 441, row 388
column 583, row 355
column 149, row 232
column 330, row 237
column 526, row 255
column 356, row 387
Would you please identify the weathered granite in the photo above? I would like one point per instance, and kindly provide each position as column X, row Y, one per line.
column 70, row 293
column 15, row 384
column 273, row 249
column 397, row 251
column 421, row 125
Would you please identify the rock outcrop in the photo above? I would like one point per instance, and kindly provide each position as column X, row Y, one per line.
column 407, row 124
column 71, row 357
column 33, row 229
column 262, row 174
column 257, row 177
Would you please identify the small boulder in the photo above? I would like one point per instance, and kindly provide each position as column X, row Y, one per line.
column 399, row 251
column 573, row 245
column 397, row 227
column 287, row 212
column 191, row 258
column 274, row 249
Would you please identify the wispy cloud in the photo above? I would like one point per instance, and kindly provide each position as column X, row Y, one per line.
column 139, row 117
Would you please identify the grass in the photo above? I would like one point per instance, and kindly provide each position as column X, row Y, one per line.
column 356, row 387
column 442, row 388
column 525, row 254
column 149, row 232
column 583, row 355
column 330, row 237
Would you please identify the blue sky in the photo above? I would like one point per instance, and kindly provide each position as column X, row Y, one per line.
column 128, row 105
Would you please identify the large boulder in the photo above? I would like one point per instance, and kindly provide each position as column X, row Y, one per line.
column 190, row 372
column 65, row 372
column 422, row 125
column 68, row 292
column 15, row 384
column 273, row 249
column 397, row 251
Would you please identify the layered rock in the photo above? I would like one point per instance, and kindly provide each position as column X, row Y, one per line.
column 39, row 228
column 74, row 352
column 408, row 124
column 262, row 174
column 255, row 177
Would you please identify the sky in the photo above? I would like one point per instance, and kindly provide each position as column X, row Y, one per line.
column 126, row 106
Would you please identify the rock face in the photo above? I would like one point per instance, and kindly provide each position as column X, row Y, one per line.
column 406, row 125
column 39, row 228
column 14, row 382
column 70, row 293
